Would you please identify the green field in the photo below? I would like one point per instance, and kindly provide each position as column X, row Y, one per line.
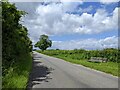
column 82, row 56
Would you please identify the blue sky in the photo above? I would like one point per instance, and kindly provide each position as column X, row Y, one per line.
column 78, row 36
column 96, row 5
column 70, row 25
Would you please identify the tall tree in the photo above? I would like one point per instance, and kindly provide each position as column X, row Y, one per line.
column 43, row 42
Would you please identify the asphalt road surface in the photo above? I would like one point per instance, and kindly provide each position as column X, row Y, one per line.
column 50, row 72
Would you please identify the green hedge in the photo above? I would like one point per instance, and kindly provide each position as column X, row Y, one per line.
column 109, row 53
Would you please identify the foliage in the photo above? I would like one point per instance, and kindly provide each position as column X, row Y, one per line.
column 17, row 75
column 15, row 40
column 43, row 42
column 78, row 54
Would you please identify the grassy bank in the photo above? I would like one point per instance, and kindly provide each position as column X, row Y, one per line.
column 18, row 74
column 109, row 67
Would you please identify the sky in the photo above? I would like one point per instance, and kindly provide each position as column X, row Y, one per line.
column 73, row 25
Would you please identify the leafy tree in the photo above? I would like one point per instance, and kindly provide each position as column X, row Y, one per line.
column 43, row 42
column 15, row 40
column 57, row 49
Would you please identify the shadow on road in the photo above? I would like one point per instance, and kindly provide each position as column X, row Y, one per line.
column 39, row 73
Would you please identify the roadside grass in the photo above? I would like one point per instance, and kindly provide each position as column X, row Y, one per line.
column 109, row 67
column 18, row 74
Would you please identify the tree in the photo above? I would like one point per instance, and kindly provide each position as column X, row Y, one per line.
column 15, row 40
column 43, row 42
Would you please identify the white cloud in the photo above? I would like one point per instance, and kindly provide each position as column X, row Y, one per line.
column 109, row 42
column 85, row 10
column 70, row 6
column 108, row 1
column 52, row 20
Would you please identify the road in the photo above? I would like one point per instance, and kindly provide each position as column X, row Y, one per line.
column 50, row 72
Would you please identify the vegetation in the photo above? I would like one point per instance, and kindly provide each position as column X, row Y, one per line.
column 43, row 42
column 17, row 75
column 82, row 56
column 16, row 48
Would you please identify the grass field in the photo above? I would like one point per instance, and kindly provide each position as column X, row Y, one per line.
column 18, row 74
column 78, row 58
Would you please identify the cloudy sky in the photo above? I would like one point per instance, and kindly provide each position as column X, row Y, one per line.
column 71, row 25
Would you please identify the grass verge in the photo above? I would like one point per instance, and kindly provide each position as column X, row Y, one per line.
column 109, row 67
column 18, row 74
